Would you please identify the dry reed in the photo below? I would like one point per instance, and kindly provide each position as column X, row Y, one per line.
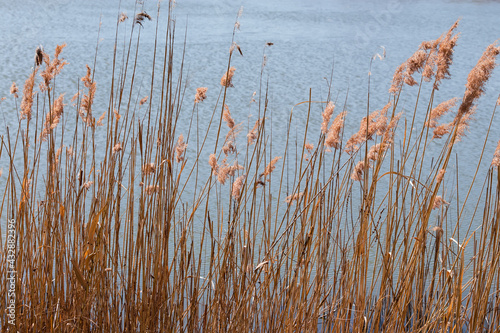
column 117, row 237
column 227, row 79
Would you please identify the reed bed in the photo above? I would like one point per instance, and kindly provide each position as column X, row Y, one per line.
column 216, row 229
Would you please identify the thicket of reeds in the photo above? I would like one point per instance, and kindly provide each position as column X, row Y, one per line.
column 215, row 230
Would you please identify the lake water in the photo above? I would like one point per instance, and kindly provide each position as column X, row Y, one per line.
column 309, row 39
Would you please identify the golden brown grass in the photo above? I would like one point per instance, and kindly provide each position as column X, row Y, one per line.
column 143, row 234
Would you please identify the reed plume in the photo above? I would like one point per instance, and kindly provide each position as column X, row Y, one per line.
column 117, row 147
column 375, row 151
column 445, row 55
column 293, row 197
column 478, row 77
column 253, row 134
column 376, row 122
column 404, row 72
column 180, row 147
column 14, row 90
column 58, row 153
column 397, row 79
column 309, row 147
column 52, row 68
column 332, row 139
column 88, row 99
column 440, row 111
column 440, row 176
column 75, row 97
column 388, row 135
column 229, row 141
column 39, row 56
column 151, row 189
column 228, row 148
column 464, row 123
column 431, row 58
column 27, row 100
column 143, row 100
column 123, row 17
column 225, row 171
column 442, row 130
column 201, row 94
column 226, row 115
column 327, row 114
column 252, row 100
column 387, row 139
column 212, row 161
column 357, row 173
column 148, row 169
column 101, row 119
column 438, row 202
column 87, row 185
column 53, row 116
column 237, row 186
column 117, row 115
column 270, row 167
column 234, row 168
column 227, row 78
column 139, row 18
column 496, row 156
column 414, row 64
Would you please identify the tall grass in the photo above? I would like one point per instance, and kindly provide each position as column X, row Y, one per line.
column 212, row 230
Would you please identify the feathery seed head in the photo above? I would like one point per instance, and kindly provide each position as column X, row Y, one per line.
column 180, row 147
column 139, row 18
column 14, row 90
column 226, row 115
column 327, row 114
column 237, row 186
column 143, row 100
column 357, row 173
column 226, row 80
column 200, row 94
column 496, row 156
column 332, row 139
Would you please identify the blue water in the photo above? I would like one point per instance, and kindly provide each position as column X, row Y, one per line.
column 309, row 38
